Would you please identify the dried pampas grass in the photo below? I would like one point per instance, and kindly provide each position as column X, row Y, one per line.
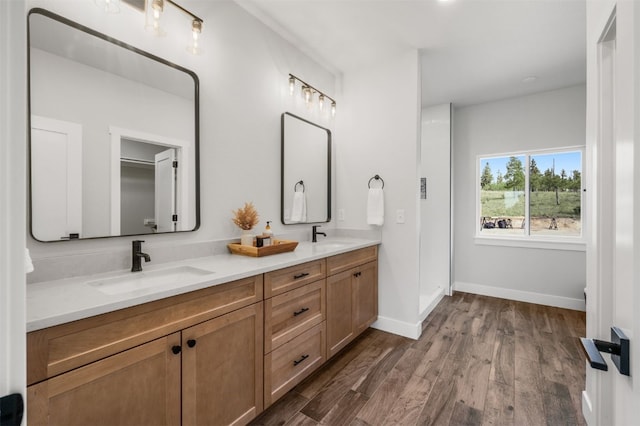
column 246, row 217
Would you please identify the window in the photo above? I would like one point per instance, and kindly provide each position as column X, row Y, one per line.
column 529, row 195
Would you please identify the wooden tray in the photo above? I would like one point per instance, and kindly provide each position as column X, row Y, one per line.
column 277, row 246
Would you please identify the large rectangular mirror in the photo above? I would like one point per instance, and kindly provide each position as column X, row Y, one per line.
column 114, row 136
column 306, row 171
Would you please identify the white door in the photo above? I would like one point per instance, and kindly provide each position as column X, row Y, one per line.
column 56, row 178
column 613, row 291
column 165, row 193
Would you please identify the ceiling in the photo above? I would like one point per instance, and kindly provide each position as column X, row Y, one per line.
column 471, row 51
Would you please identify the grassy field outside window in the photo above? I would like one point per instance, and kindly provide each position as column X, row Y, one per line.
column 530, row 194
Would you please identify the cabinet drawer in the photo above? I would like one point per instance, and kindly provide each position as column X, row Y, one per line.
column 342, row 262
column 289, row 364
column 283, row 280
column 291, row 313
column 58, row 349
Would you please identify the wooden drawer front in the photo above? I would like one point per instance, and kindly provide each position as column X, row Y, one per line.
column 289, row 364
column 58, row 349
column 291, row 313
column 342, row 262
column 283, row 280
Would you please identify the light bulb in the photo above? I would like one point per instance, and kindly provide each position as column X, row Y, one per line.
column 333, row 108
column 321, row 102
column 307, row 94
column 292, row 85
column 196, row 30
column 154, row 14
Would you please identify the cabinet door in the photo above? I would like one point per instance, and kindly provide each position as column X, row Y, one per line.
column 222, row 367
column 140, row 386
column 340, row 303
column 365, row 288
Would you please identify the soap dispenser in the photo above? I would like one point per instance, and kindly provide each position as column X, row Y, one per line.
column 268, row 234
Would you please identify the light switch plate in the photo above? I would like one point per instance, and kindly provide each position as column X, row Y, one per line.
column 399, row 216
column 340, row 214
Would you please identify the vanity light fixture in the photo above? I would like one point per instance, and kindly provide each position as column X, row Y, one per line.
column 308, row 91
column 155, row 9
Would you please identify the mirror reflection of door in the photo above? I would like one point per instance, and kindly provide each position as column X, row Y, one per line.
column 166, row 178
column 147, row 187
column 56, row 179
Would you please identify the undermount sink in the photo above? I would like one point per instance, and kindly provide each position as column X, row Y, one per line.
column 331, row 244
column 142, row 280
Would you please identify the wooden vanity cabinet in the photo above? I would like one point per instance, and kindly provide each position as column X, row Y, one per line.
column 352, row 296
column 208, row 370
column 214, row 356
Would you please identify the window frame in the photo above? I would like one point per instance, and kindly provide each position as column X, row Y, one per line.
column 552, row 242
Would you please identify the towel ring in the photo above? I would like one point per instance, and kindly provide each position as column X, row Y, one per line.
column 295, row 187
column 376, row 177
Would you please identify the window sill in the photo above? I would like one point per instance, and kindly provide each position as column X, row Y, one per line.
column 576, row 244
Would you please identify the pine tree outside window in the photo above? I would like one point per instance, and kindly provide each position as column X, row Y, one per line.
column 531, row 195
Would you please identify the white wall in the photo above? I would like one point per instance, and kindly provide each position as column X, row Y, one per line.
column 243, row 74
column 379, row 134
column 435, row 210
column 544, row 120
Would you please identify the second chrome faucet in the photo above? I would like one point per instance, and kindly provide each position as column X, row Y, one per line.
column 137, row 255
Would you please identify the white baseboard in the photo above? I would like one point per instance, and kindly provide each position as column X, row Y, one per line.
column 521, row 296
column 429, row 302
column 587, row 409
column 406, row 329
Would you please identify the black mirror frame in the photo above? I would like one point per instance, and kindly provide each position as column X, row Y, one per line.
column 134, row 49
column 282, row 189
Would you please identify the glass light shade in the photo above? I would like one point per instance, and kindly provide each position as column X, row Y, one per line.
column 333, row 108
column 154, row 15
column 108, row 6
column 321, row 102
column 292, row 85
column 196, row 29
column 307, row 94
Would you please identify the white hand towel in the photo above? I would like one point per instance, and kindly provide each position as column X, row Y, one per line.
column 299, row 207
column 28, row 264
column 375, row 207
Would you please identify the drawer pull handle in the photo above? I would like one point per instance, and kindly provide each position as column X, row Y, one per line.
column 298, row 361
column 191, row 343
column 300, row 312
column 302, row 275
column 176, row 349
column 357, row 274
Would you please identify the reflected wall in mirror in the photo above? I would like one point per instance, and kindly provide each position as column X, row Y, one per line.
column 114, row 136
column 306, row 171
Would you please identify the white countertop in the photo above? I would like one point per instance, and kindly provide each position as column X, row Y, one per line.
column 57, row 302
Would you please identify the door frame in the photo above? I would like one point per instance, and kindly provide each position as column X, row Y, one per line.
column 183, row 154
column 613, row 299
column 13, row 197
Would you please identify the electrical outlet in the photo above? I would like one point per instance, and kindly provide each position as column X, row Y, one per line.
column 340, row 214
column 399, row 216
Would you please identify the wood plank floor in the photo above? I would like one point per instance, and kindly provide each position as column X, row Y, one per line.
column 480, row 361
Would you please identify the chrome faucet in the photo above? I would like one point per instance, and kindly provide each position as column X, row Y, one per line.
column 315, row 233
column 137, row 255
